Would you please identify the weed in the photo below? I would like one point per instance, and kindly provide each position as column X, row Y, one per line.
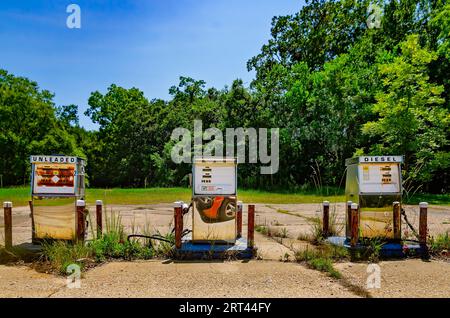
column 440, row 244
column 264, row 230
column 285, row 258
column 61, row 254
column 321, row 258
column 371, row 249
column 165, row 249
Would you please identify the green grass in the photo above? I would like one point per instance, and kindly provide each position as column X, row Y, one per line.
column 20, row 196
column 438, row 199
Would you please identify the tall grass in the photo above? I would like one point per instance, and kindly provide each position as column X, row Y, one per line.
column 112, row 244
column 61, row 254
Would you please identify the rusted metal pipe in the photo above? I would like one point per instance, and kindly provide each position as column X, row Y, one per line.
column 98, row 213
column 251, row 226
column 354, row 225
column 81, row 220
column 7, row 208
column 239, row 219
column 396, row 221
column 423, row 226
column 33, row 231
column 349, row 219
column 326, row 218
column 178, row 219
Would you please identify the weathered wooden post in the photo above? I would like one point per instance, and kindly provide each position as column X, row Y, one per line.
column 81, row 220
column 239, row 219
column 251, row 226
column 396, row 222
column 178, row 217
column 354, row 225
column 349, row 218
column 30, row 204
column 99, row 212
column 326, row 218
column 7, row 208
column 423, row 227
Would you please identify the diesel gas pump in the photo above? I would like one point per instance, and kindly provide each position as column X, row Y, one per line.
column 374, row 183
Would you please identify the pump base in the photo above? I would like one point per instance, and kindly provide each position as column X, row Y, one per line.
column 239, row 250
column 388, row 250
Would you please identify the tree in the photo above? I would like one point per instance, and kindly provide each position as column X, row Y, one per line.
column 410, row 121
column 29, row 126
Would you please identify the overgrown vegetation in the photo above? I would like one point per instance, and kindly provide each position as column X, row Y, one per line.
column 113, row 244
column 322, row 257
column 271, row 231
column 334, row 86
column 440, row 244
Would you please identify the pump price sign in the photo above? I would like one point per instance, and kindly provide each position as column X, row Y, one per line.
column 214, row 176
column 54, row 174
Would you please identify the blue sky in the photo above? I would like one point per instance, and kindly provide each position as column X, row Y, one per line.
column 145, row 44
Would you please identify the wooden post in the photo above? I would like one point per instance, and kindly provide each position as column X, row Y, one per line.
column 326, row 218
column 33, row 234
column 354, row 225
column 7, row 208
column 251, row 226
column 178, row 219
column 81, row 220
column 239, row 219
column 396, row 222
column 349, row 219
column 423, row 228
column 98, row 212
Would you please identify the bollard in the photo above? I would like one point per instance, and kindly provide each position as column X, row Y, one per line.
column 251, row 226
column 326, row 218
column 396, row 222
column 354, row 225
column 423, row 223
column 349, row 219
column 30, row 203
column 81, row 220
column 7, row 208
column 239, row 219
column 98, row 212
column 178, row 219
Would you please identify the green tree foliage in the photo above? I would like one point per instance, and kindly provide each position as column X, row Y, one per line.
column 334, row 85
column 29, row 125
column 411, row 120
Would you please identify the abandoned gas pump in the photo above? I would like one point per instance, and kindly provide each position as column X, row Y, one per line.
column 57, row 182
column 214, row 200
column 374, row 183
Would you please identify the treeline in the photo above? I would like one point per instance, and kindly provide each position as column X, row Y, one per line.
column 335, row 81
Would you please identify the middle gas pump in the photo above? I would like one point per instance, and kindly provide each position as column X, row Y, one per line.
column 214, row 200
